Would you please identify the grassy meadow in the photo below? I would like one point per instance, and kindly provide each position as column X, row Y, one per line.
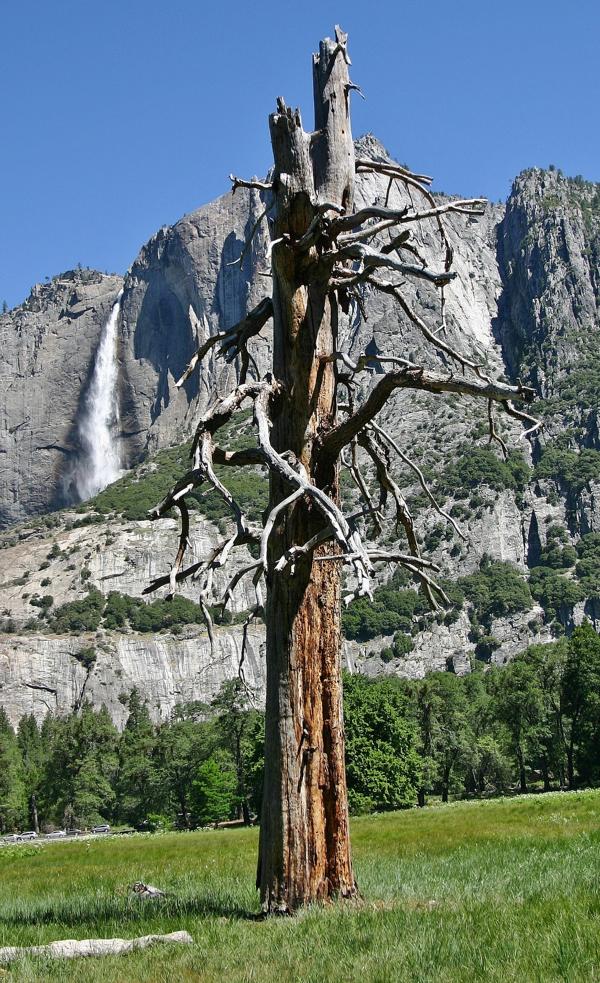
column 505, row 890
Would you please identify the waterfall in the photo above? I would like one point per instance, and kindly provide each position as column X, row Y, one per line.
column 98, row 463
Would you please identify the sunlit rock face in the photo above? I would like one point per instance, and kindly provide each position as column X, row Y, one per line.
column 524, row 303
column 48, row 347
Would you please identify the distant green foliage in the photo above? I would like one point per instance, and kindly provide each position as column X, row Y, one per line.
column 119, row 611
column 496, row 590
column 86, row 657
column 475, row 466
column 402, row 645
column 557, row 553
column 573, row 470
column 538, row 717
column 581, row 702
column 556, row 593
column 391, row 610
column 588, row 565
column 45, row 602
column 213, row 790
column 158, row 615
column 82, row 615
column 139, row 491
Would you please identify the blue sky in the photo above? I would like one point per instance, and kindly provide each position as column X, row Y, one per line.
column 119, row 117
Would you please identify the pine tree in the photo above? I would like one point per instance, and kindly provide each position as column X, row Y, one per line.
column 137, row 779
column 34, row 755
column 13, row 803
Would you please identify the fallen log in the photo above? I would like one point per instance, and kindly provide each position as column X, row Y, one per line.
column 75, row 948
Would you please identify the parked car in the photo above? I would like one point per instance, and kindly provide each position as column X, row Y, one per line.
column 103, row 828
column 29, row 834
column 74, row 832
column 10, row 838
column 56, row 834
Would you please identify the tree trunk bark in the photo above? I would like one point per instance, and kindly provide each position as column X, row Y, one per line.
column 304, row 853
column 445, row 784
column 522, row 773
column 34, row 813
column 545, row 769
column 571, row 765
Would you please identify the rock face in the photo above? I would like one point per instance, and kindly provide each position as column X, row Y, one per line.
column 48, row 346
column 525, row 302
column 195, row 263
column 44, row 674
column 549, row 259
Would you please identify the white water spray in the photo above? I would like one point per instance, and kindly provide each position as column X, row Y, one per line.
column 98, row 462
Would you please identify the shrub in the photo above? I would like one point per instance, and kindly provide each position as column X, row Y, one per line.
column 45, row 602
column 476, row 466
column 496, row 590
column 573, row 470
column 556, row 593
column 588, row 565
column 81, row 615
column 86, row 657
column 391, row 610
column 403, row 644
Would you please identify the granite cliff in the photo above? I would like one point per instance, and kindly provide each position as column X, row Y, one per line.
column 525, row 302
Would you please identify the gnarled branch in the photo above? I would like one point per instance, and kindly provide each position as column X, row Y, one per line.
column 418, row 378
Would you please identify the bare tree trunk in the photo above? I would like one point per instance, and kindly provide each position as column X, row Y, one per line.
column 304, row 838
column 446, row 783
column 571, row 765
column 522, row 772
column 34, row 813
column 304, row 845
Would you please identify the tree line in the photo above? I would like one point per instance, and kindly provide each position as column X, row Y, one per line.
column 534, row 723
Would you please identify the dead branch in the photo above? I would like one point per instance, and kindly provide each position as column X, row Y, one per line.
column 416, row 469
column 155, row 585
column 270, row 522
column 238, row 182
column 362, row 362
column 224, row 407
column 380, row 458
column 494, row 435
column 239, row 575
column 391, row 217
column 393, row 170
column 256, row 612
column 416, row 181
column 361, row 484
column 372, row 259
column 234, row 341
column 349, row 539
column 205, row 455
column 184, row 539
column 463, row 360
column 523, row 417
column 250, row 238
column 74, row 949
column 418, row 378
column 346, row 223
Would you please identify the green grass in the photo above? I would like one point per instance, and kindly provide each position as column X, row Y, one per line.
column 505, row 890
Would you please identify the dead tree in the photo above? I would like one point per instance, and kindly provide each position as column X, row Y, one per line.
column 308, row 418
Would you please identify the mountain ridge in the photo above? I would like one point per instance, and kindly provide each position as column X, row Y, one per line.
column 527, row 287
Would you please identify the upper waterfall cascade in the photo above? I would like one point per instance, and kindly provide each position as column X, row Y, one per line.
column 98, row 462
